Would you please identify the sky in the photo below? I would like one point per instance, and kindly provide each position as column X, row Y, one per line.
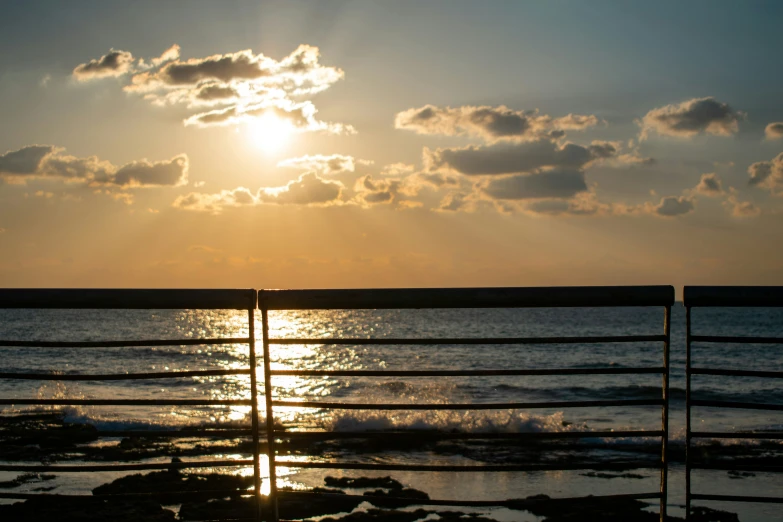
column 335, row 144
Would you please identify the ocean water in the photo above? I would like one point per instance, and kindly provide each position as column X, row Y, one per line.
column 91, row 325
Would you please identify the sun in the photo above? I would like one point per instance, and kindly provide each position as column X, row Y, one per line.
column 269, row 132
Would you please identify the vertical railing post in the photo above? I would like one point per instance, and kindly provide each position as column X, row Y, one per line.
column 270, row 418
column 254, row 413
column 665, row 413
column 688, row 413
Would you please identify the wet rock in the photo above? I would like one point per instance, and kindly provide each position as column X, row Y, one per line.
column 85, row 510
column 166, row 484
column 589, row 510
column 704, row 514
column 598, row 474
column 26, row 478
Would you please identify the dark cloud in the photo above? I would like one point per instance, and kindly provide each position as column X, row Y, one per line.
column 216, row 91
column 37, row 161
column 557, row 183
column 672, row 206
column 489, row 123
column 438, row 179
column 710, row 185
column 509, row 158
column 173, row 172
column 692, row 117
column 768, row 174
column 115, row 63
column 309, row 189
column 25, row 161
column 774, row 131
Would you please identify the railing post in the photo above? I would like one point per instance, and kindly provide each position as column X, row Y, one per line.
column 270, row 418
column 665, row 413
column 687, row 413
column 254, row 410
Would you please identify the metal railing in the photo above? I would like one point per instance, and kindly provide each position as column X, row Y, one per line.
column 726, row 296
column 650, row 296
column 142, row 299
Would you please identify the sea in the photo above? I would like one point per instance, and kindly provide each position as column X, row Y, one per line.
column 99, row 325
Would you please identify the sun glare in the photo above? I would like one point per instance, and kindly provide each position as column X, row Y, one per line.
column 269, row 133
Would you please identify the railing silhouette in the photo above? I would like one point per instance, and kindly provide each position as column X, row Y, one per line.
column 662, row 296
column 141, row 299
column 726, row 296
column 269, row 300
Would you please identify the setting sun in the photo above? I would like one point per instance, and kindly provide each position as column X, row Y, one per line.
column 269, row 132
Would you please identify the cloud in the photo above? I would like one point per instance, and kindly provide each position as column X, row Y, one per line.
column 397, row 169
column 309, row 189
column 710, row 185
column 774, row 131
column 113, row 64
column 172, row 53
column 672, row 206
column 455, row 202
column 370, row 191
column 173, row 172
column 215, row 203
column 692, row 117
column 24, row 161
column 46, row 161
column 768, row 175
column 556, row 183
column 491, row 124
column 322, row 164
column 510, row 158
column 295, row 117
column 437, row 179
column 741, row 209
column 240, row 86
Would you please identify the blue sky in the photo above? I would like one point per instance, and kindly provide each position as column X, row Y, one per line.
column 640, row 212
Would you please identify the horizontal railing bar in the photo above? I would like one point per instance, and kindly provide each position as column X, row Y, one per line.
column 435, row 435
column 739, row 296
column 127, row 402
column 466, row 373
column 476, row 406
column 146, row 494
column 412, row 298
column 735, row 339
column 488, row 468
column 124, row 344
column 739, row 405
column 126, row 467
column 189, row 433
column 737, row 498
column 120, row 376
column 82, row 298
column 736, row 373
column 471, row 340
column 732, row 466
column 737, row 435
column 471, row 503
